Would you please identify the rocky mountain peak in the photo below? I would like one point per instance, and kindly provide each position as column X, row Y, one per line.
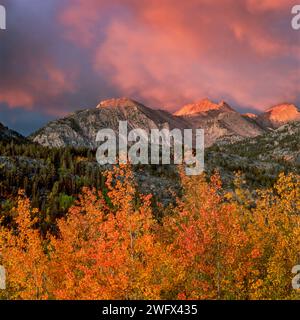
column 118, row 103
column 80, row 128
column 220, row 122
column 203, row 106
column 284, row 110
column 279, row 115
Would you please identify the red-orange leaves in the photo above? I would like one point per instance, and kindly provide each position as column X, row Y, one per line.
column 23, row 255
column 109, row 246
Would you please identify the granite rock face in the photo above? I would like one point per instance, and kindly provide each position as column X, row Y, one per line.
column 221, row 123
column 80, row 128
column 279, row 115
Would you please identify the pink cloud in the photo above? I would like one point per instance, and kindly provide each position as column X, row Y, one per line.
column 269, row 5
column 43, row 81
column 171, row 52
column 16, row 97
column 164, row 53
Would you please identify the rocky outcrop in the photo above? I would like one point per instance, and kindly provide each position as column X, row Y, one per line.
column 279, row 115
column 260, row 159
column 80, row 128
column 220, row 122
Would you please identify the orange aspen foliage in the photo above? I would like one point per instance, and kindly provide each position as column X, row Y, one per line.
column 274, row 226
column 23, row 256
column 211, row 245
column 107, row 251
column 211, row 248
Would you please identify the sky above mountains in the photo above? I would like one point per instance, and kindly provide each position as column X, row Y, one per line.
column 57, row 56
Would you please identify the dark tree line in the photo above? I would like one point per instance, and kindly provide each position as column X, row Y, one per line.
column 51, row 177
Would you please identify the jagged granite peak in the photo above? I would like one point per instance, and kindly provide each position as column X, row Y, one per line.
column 219, row 121
column 80, row 128
column 203, row 106
column 279, row 115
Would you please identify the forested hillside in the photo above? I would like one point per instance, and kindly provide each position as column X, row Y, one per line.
column 51, row 177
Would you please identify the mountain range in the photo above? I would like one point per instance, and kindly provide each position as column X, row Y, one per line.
column 260, row 146
column 221, row 123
